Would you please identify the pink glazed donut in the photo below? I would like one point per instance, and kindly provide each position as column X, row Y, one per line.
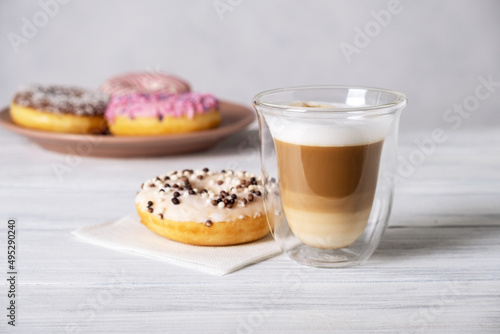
column 144, row 83
column 160, row 114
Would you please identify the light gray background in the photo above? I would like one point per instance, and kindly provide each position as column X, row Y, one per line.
column 433, row 51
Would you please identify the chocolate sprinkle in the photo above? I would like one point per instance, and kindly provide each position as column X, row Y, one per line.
column 63, row 100
column 208, row 223
column 229, row 196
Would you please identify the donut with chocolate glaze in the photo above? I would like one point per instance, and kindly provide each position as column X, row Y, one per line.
column 60, row 109
column 204, row 208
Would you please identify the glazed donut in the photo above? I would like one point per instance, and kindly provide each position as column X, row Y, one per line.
column 155, row 114
column 144, row 83
column 60, row 109
column 204, row 208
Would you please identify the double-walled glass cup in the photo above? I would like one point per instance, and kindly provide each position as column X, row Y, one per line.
column 328, row 157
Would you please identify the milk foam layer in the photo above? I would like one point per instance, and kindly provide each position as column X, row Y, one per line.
column 329, row 132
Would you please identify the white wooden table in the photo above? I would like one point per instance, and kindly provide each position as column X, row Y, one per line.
column 436, row 270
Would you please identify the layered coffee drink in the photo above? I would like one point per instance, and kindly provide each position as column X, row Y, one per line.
column 328, row 178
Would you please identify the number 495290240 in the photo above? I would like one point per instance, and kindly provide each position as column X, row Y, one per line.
column 11, row 244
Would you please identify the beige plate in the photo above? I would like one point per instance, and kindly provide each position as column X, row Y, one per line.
column 234, row 118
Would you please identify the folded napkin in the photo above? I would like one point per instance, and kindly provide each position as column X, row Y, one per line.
column 129, row 235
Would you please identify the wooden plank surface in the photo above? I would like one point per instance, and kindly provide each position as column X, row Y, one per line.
column 437, row 268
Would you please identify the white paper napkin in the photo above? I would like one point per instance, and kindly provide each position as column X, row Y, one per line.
column 129, row 235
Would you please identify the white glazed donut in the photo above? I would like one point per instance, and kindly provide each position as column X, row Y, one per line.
column 204, row 208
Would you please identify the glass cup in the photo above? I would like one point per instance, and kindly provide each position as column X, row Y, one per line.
column 328, row 157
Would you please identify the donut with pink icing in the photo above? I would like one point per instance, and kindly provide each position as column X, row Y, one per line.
column 154, row 114
column 144, row 83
